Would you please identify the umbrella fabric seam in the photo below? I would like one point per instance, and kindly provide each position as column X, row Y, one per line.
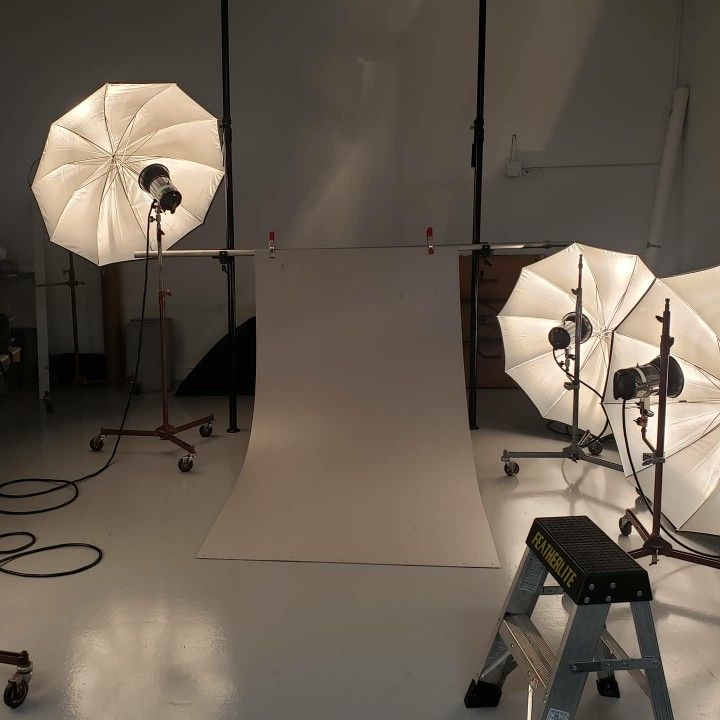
column 147, row 138
column 624, row 295
column 145, row 104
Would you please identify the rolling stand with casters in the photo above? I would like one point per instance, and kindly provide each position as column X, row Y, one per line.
column 654, row 544
column 18, row 685
column 594, row 573
column 165, row 431
column 575, row 451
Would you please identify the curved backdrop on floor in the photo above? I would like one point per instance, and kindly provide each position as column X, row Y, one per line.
column 360, row 450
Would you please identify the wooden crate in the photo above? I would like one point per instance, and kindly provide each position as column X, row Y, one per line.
column 497, row 281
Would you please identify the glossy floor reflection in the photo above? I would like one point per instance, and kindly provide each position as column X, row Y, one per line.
column 154, row 633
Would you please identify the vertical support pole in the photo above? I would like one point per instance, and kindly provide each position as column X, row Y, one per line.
column 73, row 308
column 41, row 320
column 578, row 342
column 229, row 220
column 161, row 304
column 477, row 163
column 666, row 342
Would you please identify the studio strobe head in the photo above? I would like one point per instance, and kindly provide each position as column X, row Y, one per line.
column 563, row 335
column 155, row 180
column 644, row 380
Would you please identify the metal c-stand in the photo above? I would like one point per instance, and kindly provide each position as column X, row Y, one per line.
column 575, row 451
column 653, row 543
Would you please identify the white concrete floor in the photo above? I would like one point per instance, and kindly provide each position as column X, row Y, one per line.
column 154, row 633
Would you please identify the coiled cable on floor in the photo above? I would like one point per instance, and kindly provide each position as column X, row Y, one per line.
column 23, row 551
column 56, row 485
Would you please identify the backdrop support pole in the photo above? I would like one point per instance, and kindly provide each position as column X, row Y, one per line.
column 477, row 163
column 230, row 220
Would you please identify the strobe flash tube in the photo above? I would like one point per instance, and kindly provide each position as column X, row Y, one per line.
column 155, row 180
column 563, row 335
column 644, row 380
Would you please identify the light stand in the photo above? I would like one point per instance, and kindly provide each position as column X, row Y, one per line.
column 575, row 450
column 165, row 431
column 72, row 283
column 653, row 543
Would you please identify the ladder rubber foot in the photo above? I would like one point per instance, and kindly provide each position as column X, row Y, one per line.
column 608, row 687
column 481, row 694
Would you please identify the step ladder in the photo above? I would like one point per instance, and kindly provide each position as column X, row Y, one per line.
column 594, row 573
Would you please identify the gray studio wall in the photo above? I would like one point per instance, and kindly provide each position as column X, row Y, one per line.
column 351, row 124
column 699, row 175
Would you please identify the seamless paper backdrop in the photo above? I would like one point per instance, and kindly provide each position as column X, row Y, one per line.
column 359, row 450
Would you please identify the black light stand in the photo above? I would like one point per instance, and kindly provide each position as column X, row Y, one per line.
column 228, row 263
column 653, row 542
column 574, row 451
column 477, row 164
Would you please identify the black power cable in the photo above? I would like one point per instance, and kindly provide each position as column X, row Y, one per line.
column 22, row 551
column 674, row 538
column 588, row 438
column 57, row 485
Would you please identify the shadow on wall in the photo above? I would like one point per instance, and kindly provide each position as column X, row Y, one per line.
column 581, row 84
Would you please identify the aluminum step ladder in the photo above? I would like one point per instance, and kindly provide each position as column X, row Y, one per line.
column 593, row 572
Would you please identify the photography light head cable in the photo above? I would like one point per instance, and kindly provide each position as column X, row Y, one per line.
column 56, row 484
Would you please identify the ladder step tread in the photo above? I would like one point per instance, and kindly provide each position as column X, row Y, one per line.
column 530, row 649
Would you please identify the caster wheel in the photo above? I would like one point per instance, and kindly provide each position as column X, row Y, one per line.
column 96, row 444
column 15, row 694
column 481, row 694
column 206, row 430
column 185, row 464
column 511, row 468
column 625, row 525
column 595, row 448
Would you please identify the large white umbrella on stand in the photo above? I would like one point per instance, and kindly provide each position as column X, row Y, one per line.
column 691, row 483
column 612, row 283
column 88, row 187
column 87, row 181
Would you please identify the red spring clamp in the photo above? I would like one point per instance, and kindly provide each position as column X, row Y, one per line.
column 271, row 243
column 429, row 240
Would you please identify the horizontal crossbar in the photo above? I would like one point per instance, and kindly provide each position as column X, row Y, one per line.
column 614, row 665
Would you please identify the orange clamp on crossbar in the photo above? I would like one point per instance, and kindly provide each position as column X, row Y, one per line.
column 428, row 238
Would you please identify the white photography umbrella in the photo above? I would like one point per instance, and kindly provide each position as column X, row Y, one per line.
column 691, row 484
column 612, row 284
column 87, row 181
